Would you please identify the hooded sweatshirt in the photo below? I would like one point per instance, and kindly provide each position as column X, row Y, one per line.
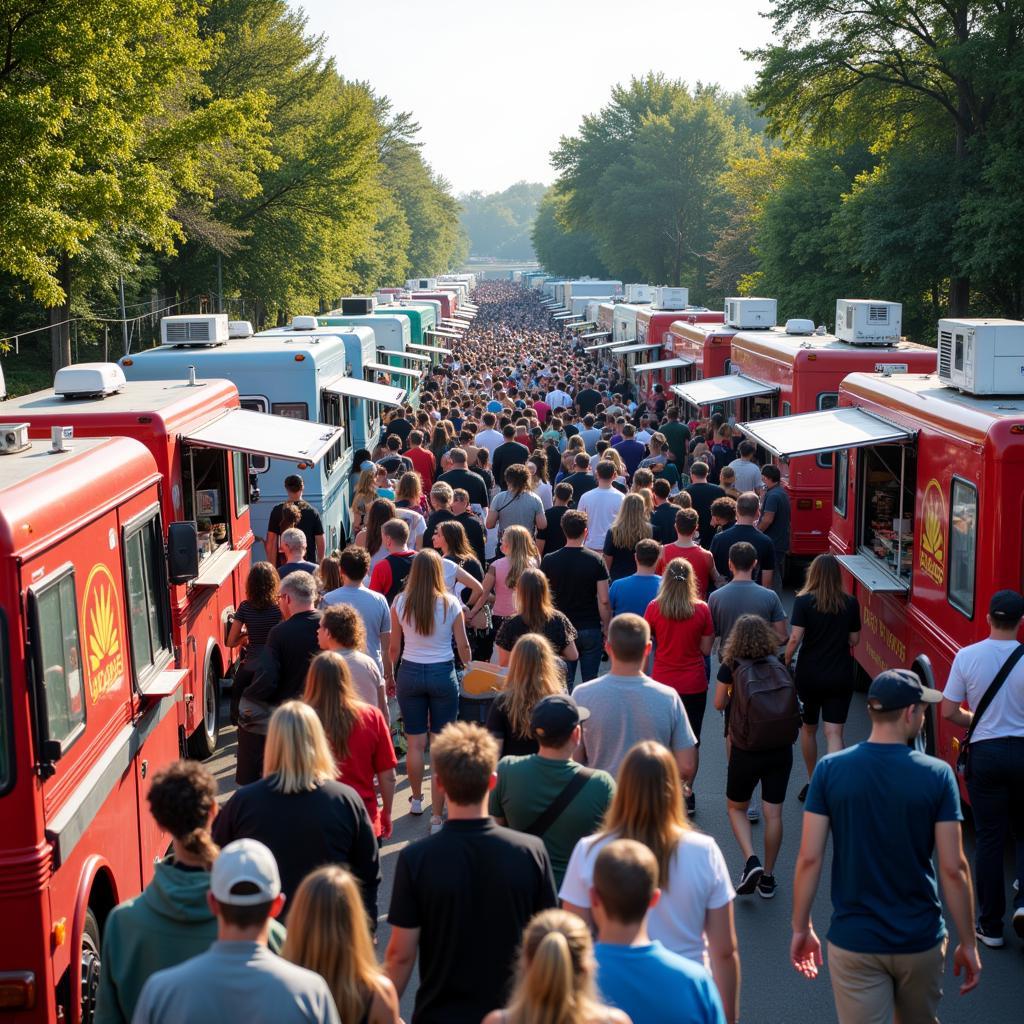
column 168, row 923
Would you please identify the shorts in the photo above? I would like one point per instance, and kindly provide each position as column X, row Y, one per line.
column 747, row 768
column 428, row 696
column 832, row 706
column 695, row 705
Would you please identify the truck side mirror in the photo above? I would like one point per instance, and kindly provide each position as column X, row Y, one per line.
column 182, row 552
column 254, row 486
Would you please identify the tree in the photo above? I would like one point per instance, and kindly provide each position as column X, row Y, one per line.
column 499, row 224
column 560, row 250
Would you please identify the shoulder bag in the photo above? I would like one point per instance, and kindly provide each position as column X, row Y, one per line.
column 550, row 814
column 963, row 759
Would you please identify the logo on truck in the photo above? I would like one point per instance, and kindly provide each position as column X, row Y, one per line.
column 104, row 652
column 933, row 540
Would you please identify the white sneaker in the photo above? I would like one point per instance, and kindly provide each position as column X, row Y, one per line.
column 416, row 805
column 436, row 824
column 754, row 810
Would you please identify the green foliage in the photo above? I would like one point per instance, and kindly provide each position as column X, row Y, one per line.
column 499, row 224
column 562, row 251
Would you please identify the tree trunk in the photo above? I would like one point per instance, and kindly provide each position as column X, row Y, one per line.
column 960, row 286
column 60, row 330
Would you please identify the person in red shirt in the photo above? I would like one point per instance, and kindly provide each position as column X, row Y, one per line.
column 422, row 459
column 358, row 734
column 542, row 409
column 390, row 573
column 683, row 632
column 686, row 547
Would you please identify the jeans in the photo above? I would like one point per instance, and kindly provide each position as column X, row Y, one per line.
column 428, row 695
column 590, row 644
column 996, row 788
column 780, row 571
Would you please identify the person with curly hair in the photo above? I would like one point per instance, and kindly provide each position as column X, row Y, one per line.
column 255, row 618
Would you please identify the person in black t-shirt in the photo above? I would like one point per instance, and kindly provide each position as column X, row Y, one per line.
column 309, row 523
column 589, row 398
column 461, row 898
column 702, row 494
column 509, row 453
column 581, row 479
column 441, row 495
column 551, row 537
column 747, row 508
column 470, row 523
column 400, row 426
column 663, row 515
column 394, row 462
column 460, row 476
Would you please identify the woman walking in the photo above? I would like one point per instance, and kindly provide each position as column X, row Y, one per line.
column 535, row 613
column 537, row 464
column 256, row 616
column 631, row 525
column 517, row 505
column 518, row 553
column 427, row 618
column 369, row 537
column 825, row 629
column 451, row 541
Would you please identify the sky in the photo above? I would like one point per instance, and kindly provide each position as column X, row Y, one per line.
column 495, row 85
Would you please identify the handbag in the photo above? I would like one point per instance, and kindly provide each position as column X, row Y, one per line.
column 254, row 715
column 963, row 758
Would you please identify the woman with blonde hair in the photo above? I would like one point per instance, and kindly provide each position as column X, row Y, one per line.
column 535, row 613
column 555, row 978
column 518, row 553
column 825, row 628
column 631, row 525
column 409, row 493
column 612, row 456
column 533, row 673
column 537, row 464
column 363, row 496
column 300, row 811
column 694, row 916
column 517, row 505
column 683, row 633
column 329, row 934
column 358, row 733
column 427, row 618
column 642, row 484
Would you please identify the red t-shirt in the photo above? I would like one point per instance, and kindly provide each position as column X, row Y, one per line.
column 424, row 463
column 543, row 411
column 700, row 558
column 370, row 751
column 677, row 659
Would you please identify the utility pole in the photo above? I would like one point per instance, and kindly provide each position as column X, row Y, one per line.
column 124, row 315
column 220, row 285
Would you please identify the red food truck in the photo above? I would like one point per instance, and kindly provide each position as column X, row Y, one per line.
column 201, row 440
column 673, row 362
column 924, row 466
column 89, row 700
column 448, row 300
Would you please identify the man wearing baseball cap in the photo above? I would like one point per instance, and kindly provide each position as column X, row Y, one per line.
column 238, row 978
column 995, row 780
column 548, row 794
column 889, row 807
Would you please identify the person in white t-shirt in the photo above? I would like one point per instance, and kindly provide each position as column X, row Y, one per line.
column 694, row 916
column 995, row 782
column 601, row 504
column 557, row 397
column 489, row 438
column 748, row 472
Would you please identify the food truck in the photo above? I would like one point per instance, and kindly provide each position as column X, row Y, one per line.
column 784, row 371
column 669, row 365
column 925, row 464
column 89, row 703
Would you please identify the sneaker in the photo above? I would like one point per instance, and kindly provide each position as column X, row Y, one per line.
column 752, row 872
column 754, row 810
column 1018, row 922
column 436, row 824
column 691, row 805
column 992, row 941
column 766, row 886
column 416, row 805
column 802, row 795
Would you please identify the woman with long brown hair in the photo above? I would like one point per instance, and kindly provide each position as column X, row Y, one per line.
column 555, row 978
column 329, row 934
column 358, row 734
column 694, row 916
column 427, row 617
column 518, row 553
column 825, row 628
column 379, row 512
column 533, row 672
column 535, row 613
column 683, row 633
column 631, row 525
column 409, row 507
column 451, row 541
column 255, row 617
column 517, row 505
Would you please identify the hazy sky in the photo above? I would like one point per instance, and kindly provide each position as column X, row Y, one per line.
column 495, row 84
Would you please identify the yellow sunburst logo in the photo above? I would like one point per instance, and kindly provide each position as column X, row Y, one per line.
column 933, row 539
column 101, row 612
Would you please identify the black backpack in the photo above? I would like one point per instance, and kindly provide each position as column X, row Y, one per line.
column 764, row 713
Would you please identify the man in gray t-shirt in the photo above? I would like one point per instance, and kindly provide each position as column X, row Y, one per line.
column 743, row 596
column 627, row 706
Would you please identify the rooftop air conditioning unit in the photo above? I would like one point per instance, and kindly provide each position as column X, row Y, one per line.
column 420, row 283
column 13, row 438
column 982, row 357
column 239, row 329
column 357, row 305
column 748, row 313
column 868, row 321
column 671, row 298
column 801, row 328
column 89, row 380
column 304, row 323
column 201, row 329
column 639, row 293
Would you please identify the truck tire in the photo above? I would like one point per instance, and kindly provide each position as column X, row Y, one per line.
column 203, row 741
column 90, row 966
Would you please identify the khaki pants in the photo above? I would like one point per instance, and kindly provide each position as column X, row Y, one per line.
column 876, row 988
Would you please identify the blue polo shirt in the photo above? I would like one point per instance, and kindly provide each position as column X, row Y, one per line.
column 633, row 593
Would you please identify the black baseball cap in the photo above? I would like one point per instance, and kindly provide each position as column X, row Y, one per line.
column 556, row 715
column 899, row 688
column 1006, row 606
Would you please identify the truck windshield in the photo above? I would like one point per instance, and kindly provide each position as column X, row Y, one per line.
column 5, row 710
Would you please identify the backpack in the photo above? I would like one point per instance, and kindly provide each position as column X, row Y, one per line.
column 764, row 713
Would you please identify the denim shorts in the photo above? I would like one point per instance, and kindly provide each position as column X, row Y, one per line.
column 428, row 696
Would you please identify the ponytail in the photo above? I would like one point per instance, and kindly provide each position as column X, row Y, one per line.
column 200, row 844
column 548, row 981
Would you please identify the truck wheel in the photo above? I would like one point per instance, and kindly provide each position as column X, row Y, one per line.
column 203, row 741
column 90, row 966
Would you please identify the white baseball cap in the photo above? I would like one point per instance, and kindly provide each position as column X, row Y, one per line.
column 245, row 860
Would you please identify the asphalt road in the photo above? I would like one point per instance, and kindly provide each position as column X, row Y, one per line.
column 772, row 992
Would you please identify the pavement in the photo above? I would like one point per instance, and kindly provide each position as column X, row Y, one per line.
column 772, row 992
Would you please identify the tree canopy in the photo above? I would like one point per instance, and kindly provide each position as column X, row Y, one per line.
column 498, row 223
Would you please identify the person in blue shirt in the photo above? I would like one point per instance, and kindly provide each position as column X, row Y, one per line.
column 634, row 593
column 889, row 808
column 634, row 972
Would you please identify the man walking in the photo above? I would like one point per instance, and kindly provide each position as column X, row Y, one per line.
column 995, row 780
column 634, row 593
column 775, row 519
column 309, row 522
column 509, row 453
column 293, row 545
column 747, row 507
column 601, row 506
column 742, row 596
column 460, row 476
column 748, row 473
column 702, row 494
column 886, row 804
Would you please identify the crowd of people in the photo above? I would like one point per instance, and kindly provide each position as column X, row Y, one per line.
column 534, row 516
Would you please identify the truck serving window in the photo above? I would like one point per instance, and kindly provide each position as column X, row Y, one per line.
column 6, row 758
column 256, row 403
column 888, row 475
column 827, row 400
column 963, row 545
column 240, row 471
column 335, row 410
column 204, row 474
column 58, row 660
column 146, row 589
column 841, row 482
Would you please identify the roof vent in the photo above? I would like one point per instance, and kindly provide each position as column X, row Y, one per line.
column 13, row 438
column 88, row 380
column 304, row 323
column 357, row 305
column 239, row 329
column 800, row 327
column 204, row 329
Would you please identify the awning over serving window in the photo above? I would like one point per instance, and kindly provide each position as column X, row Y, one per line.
column 597, row 334
column 354, row 387
column 603, row 344
column 258, row 433
column 443, row 334
column 831, row 430
column 642, row 346
column 409, row 357
column 662, row 364
column 384, row 368
column 722, row 389
column 428, row 348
